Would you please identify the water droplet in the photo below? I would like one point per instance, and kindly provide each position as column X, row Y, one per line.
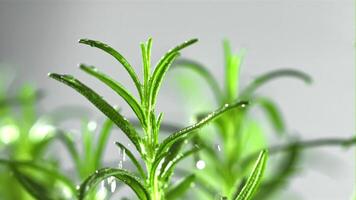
column 120, row 164
column 218, row 147
column 113, row 186
column 102, row 191
column 226, row 105
column 92, row 125
column 77, row 187
column 123, row 155
column 96, row 171
column 200, row 164
column 243, row 105
column 110, row 184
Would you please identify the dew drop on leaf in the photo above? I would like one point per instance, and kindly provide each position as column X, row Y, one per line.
column 111, row 181
column 200, row 164
column 92, row 126
column 102, row 191
column 113, row 186
column 123, row 155
column 218, row 147
column 120, row 164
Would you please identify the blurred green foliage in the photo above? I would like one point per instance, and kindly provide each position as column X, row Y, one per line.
column 237, row 134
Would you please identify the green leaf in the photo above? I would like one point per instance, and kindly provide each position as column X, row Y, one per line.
column 146, row 55
column 204, row 73
column 155, row 164
column 190, row 130
column 287, row 167
column 269, row 76
column 254, row 179
column 118, row 88
column 157, row 77
column 167, row 171
column 273, row 114
column 181, row 188
column 148, row 50
column 102, row 141
column 132, row 158
column 70, row 146
column 41, row 169
column 118, row 57
column 124, row 176
column 163, row 66
column 173, row 152
column 88, row 140
column 102, row 105
column 34, row 188
column 158, row 122
column 166, row 127
column 232, row 72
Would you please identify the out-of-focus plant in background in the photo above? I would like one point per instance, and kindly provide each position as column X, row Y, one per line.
column 24, row 136
column 227, row 148
column 238, row 135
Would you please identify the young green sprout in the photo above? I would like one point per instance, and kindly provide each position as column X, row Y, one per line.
column 160, row 158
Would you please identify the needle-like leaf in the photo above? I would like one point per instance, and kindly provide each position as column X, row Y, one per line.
column 132, row 158
column 184, row 133
column 232, row 72
column 102, row 141
column 167, row 171
column 70, row 147
column 102, row 105
column 118, row 57
column 118, row 88
column 254, row 179
column 42, row 169
column 181, row 188
column 203, row 72
column 287, row 167
column 263, row 79
column 273, row 113
column 124, row 176
column 33, row 187
column 163, row 66
column 158, row 75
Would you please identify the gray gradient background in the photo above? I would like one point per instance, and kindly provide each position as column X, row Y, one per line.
column 39, row 37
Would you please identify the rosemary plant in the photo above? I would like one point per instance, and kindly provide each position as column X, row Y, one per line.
column 160, row 157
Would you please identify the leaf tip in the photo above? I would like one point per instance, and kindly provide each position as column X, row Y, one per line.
column 193, row 40
column 84, row 66
column 53, row 75
column 83, row 41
